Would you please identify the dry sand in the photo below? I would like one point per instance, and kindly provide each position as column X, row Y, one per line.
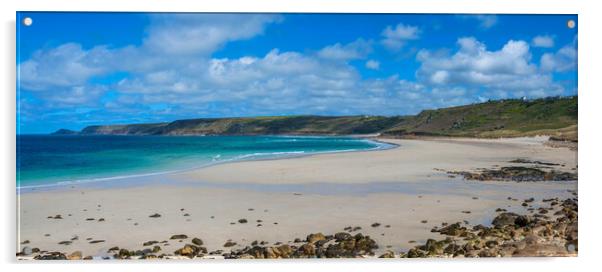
column 322, row 193
column 414, row 160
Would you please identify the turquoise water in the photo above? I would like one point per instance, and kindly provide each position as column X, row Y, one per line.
column 44, row 160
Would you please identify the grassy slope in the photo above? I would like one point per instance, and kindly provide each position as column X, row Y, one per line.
column 505, row 118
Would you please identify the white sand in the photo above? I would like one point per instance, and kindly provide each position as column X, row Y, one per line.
column 351, row 197
column 414, row 160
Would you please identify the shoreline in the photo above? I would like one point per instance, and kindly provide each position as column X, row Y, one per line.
column 282, row 200
column 380, row 145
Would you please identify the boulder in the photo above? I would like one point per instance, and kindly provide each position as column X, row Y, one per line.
column 197, row 241
column 76, row 255
column 314, row 237
column 178, row 236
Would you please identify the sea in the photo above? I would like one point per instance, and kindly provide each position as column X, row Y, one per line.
column 51, row 160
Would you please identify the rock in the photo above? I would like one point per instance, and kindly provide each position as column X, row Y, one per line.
column 364, row 244
column 374, row 225
column 155, row 215
column 522, row 221
column 197, row 241
column 242, row 221
column 504, row 219
column 51, row 256
column 229, row 244
column 97, row 241
column 25, row 242
column 156, row 249
column 285, row 251
column 188, row 250
column 65, row 243
column 415, row 253
column 387, row 254
column 101, row 220
column 150, row 243
column 341, row 236
column 76, row 255
column 113, row 249
column 424, row 221
column 455, row 229
column 58, row 216
column 26, row 251
column 491, row 244
column 178, row 236
column 541, row 250
column 124, row 254
column 307, row 250
column 314, row 237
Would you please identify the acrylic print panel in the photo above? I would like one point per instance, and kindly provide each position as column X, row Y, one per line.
column 177, row 136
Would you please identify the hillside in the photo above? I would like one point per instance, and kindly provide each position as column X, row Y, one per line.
column 503, row 118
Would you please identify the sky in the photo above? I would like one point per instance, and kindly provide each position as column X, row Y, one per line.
column 80, row 69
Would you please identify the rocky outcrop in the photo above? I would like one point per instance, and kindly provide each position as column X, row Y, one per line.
column 517, row 173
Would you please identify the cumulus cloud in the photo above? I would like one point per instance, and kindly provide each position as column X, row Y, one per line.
column 358, row 49
column 485, row 21
column 63, row 66
column 172, row 42
column 373, row 64
column 504, row 73
column 185, row 34
column 543, row 41
column 394, row 38
column 564, row 59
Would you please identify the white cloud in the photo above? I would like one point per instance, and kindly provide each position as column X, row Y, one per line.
column 175, row 48
column 564, row 59
column 485, row 21
column 63, row 66
column 543, row 41
column 507, row 72
column 185, row 34
column 394, row 38
column 354, row 50
column 373, row 64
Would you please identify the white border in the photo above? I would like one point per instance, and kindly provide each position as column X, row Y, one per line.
column 589, row 119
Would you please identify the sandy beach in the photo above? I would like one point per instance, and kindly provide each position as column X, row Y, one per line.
column 405, row 189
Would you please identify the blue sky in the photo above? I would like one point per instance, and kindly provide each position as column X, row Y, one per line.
column 80, row 69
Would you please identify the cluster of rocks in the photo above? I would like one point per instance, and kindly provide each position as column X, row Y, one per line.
column 317, row 245
column 511, row 234
column 545, row 231
column 516, row 173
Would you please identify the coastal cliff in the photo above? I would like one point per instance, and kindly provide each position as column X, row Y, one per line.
column 556, row 117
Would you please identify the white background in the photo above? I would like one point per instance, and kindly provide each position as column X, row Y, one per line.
column 590, row 115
